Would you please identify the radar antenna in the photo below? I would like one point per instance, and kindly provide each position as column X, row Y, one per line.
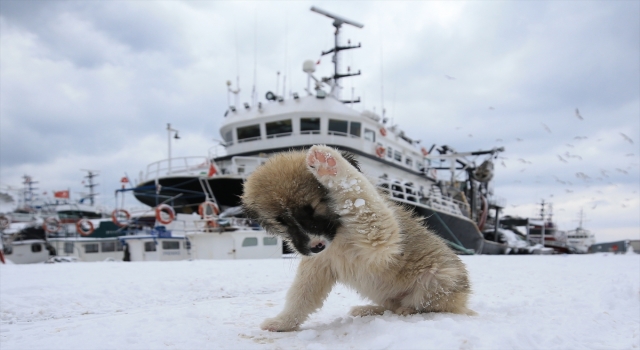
column 338, row 21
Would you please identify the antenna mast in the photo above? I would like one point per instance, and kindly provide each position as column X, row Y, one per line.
column 338, row 22
column 90, row 175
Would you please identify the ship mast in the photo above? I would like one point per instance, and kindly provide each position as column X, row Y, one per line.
column 338, row 22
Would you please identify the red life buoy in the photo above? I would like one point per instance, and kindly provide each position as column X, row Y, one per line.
column 84, row 227
column 208, row 210
column 118, row 215
column 383, row 131
column 51, row 224
column 167, row 211
column 212, row 224
column 380, row 151
column 424, row 151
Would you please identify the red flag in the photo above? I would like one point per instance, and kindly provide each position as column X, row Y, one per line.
column 212, row 170
column 61, row 194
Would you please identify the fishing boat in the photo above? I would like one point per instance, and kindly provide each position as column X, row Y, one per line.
column 580, row 238
column 449, row 189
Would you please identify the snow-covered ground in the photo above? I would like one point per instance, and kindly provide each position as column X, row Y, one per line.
column 524, row 302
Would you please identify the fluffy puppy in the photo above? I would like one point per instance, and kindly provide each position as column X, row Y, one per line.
column 348, row 232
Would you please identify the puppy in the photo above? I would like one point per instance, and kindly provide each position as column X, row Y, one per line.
column 348, row 232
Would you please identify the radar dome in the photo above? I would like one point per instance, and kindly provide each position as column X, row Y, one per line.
column 309, row 66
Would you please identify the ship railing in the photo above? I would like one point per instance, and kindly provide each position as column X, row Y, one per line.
column 310, row 132
column 283, row 134
column 214, row 225
column 177, row 166
column 410, row 195
column 343, row 134
column 249, row 139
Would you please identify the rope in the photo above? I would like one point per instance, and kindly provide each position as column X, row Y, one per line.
column 459, row 245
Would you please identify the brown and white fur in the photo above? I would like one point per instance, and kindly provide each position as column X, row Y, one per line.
column 348, row 232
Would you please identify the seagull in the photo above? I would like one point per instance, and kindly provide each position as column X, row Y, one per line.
column 630, row 155
column 627, row 138
column 604, row 173
column 518, row 139
column 569, row 145
column 580, row 138
column 594, row 206
column 561, row 159
column 622, row 171
column 470, row 135
column 498, row 140
column 491, row 108
column 504, row 165
column 582, row 175
column 458, row 127
column 546, row 127
column 522, row 161
column 449, row 77
column 578, row 114
column 568, row 191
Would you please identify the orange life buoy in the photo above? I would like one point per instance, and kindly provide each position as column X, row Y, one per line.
column 166, row 210
column 118, row 215
column 424, row 151
column 380, row 151
column 51, row 224
column 84, row 227
column 212, row 224
column 383, row 131
column 208, row 210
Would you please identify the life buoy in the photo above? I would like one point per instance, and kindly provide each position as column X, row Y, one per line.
column 383, row 131
column 208, row 209
column 212, row 224
column 424, row 151
column 167, row 210
column 84, row 227
column 118, row 215
column 51, row 224
column 380, row 151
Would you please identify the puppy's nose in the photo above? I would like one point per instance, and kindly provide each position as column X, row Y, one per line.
column 317, row 248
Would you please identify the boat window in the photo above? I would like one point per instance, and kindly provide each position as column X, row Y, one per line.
column 397, row 156
column 250, row 242
column 338, row 127
column 91, row 248
column 409, row 161
column 36, row 247
column 168, row 245
column 149, row 246
column 248, row 133
column 68, row 247
column 108, row 247
column 270, row 240
column 279, row 128
column 354, row 128
column 369, row 135
column 310, row 125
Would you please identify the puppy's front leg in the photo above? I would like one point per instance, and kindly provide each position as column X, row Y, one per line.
column 359, row 204
column 310, row 288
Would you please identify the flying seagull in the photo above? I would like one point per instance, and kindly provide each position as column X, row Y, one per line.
column 578, row 114
column 491, row 108
column 561, row 159
column 546, row 127
column 627, row 138
column 450, row 77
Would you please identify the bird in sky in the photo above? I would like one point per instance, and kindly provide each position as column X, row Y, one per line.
column 627, row 138
column 449, row 77
column 622, row 171
column 518, row 139
column 578, row 114
column 491, row 108
column 562, row 159
column 568, row 191
column 604, row 173
column 569, row 145
column 583, row 176
column 498, row 140
column 504, row 165
column 546, row 127
column 458, row 127
column 630, row 155
column 580, row 138
column 470, row 135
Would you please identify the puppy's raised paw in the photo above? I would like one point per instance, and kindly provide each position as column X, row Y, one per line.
column 322, row 161
column 367, row 310
column 279, row 324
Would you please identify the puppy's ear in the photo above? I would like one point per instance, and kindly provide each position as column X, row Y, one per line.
column 351, row 159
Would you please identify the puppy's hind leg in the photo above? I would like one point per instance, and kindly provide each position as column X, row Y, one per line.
column 367, row 310
column 357, row 201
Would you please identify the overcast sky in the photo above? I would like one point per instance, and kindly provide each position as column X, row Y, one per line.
column 92, row 85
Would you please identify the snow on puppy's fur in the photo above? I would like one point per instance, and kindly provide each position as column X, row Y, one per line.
column 326, row 210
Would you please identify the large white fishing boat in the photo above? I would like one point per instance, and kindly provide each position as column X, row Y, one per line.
column 449, row 189
column 580, row 239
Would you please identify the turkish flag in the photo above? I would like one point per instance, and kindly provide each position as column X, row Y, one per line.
column 61, row 194
column 212, row 170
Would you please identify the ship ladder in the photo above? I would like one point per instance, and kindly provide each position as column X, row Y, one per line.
column 208, row 193
column 456, row 245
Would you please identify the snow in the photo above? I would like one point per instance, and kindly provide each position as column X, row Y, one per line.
column 524, row 302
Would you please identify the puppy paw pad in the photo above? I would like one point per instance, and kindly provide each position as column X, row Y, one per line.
column 322, row 162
